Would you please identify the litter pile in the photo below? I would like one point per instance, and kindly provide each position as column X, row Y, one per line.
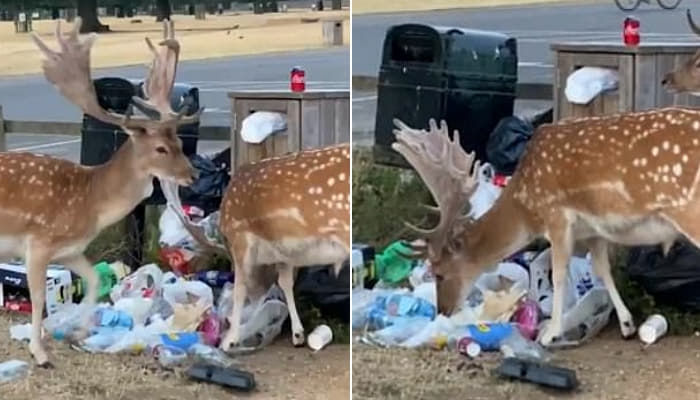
column 394, row 299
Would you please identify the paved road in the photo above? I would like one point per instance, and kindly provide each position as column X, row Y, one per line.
column 32, row 98
column 535, row 27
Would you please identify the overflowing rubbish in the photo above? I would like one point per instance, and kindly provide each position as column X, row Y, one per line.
column 321, row 336
column 228, row 377
column 259, row 125
column 13, row 370
column 507, row 143
column 536, row 372
column 672, row 279
column 584, row 84
column 653, row 329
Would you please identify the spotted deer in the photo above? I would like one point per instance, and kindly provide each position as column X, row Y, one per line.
column 629, row 179
column 51, row 209
column 290, row 211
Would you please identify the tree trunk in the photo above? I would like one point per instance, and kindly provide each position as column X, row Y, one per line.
column 164, row 10
column 87, row 10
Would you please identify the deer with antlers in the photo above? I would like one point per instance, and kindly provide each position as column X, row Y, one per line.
column 630, row 179
column 290, row 211
column 51, row 209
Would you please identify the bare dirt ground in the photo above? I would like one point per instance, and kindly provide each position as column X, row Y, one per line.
column 607, row 368
column 216, row 36
column 281, row 372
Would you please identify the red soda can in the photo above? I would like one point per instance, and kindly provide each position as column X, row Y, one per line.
column 630, row 31
column 297, row 80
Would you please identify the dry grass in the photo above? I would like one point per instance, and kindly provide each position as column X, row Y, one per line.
column 281, row 372
column 217, row 36
column 373, row 6
column 608, row 368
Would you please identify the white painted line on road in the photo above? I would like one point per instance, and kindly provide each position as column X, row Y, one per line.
column 535, row 64
column 216, row 111
column 45, row 145
column 364, row 98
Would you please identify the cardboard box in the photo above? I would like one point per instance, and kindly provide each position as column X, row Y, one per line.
column 59, row 281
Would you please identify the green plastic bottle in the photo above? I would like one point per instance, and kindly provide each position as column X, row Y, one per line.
column 107, row 279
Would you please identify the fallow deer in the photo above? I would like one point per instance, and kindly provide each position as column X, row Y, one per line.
column 289, row 211
column 51, row 209
column 685, row 78
column 630, row 179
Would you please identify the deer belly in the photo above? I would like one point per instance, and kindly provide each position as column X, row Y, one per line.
column 637, row 231
column 12, row 246
column 300, row 252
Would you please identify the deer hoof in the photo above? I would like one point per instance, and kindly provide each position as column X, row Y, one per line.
column 628, row 329
column 549, row 337
column 40, row 357
column 298, row 339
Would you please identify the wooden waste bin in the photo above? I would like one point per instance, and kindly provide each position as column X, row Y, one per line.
column 640, row 72
column 314, row 119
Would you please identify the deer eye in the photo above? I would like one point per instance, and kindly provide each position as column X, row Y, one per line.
column 161, row 150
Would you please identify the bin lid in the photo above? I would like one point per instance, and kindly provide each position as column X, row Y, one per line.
column 454, row 49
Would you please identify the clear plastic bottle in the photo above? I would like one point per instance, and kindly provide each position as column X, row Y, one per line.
column 210, row 355
column 12, row 370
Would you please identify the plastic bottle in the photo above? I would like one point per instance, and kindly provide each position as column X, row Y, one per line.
column 106, row 277
column 169, row 356
column 12, row 370
column 489, row 336
column 515, row 345
column 64, row 323
column 209, row 355
column 527, row 317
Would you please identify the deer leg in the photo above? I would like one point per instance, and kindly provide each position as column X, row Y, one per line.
column 286, row 282
column 81, row 266
column 601, row 267
column 562, row 248
column 37, row 262
column 233, row 336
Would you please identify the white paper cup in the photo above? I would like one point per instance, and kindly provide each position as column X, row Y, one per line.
column 320, row 337
column 653, row 328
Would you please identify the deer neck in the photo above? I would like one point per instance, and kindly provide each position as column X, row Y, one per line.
column 499, row 233
column 118, row 186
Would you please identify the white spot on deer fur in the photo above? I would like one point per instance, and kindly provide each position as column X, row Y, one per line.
column 654, row 151
column 341, row 176
column 677, row 169
column 331, row 181
column 696, row 125
column 666, row 145
column 581, row 132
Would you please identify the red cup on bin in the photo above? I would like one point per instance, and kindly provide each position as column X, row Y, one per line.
column 297, row 80
column 630, row 31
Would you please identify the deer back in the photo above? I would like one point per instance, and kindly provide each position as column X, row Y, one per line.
column 298, row 196
column 626, row 164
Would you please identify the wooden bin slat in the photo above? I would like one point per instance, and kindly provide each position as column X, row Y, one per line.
column 314, row 119
column 640, row 70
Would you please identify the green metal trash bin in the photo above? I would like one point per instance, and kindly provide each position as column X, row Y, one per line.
column 466, row 77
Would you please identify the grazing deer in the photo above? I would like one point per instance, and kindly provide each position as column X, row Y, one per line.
column 290, row 211
column 631, row 179
column 685, row 78
column 51, row 209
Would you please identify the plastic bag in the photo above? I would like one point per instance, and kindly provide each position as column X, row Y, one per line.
column 259, row 125
column 144, row 282
column 584, row 84
column 326, row 291
column 486, row 193
column 587, row 305
column 507, row 143
column 674, row 279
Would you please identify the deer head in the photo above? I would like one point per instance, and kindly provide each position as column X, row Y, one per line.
column 451, row 177
column 156, row 148
column 685, row 78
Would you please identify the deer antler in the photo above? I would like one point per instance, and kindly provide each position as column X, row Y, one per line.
column 693, row 26
column 161, row 78
column 69, row 70
column 446, row 170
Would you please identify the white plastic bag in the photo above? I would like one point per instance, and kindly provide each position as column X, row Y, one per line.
column 584, row 84
column 144, row 282
column 261, row 124
column 486, row 192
